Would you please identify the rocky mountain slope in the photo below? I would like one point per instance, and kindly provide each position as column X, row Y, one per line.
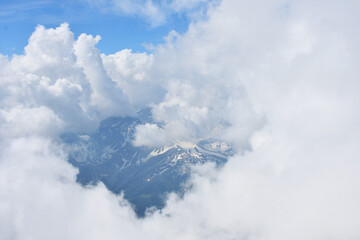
column 144, row 174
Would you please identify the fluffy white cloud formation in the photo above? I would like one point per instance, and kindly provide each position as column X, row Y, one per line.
column 277, row 79
column 40, row 199
column 68, row 77
column 151, row 135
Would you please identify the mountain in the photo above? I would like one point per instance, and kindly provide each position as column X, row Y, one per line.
column 144, row 174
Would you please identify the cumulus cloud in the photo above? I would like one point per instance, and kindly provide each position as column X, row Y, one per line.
column 106, row 96
column 278, row 80
column 131, row 72
column 20, row 121
column 68, row 77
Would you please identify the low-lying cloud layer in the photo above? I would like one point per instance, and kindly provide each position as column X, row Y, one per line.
column 279, row 80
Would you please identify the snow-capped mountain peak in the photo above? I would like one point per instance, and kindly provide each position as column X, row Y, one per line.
column 144, row 174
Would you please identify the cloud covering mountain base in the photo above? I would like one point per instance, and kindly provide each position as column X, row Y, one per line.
column 278, row 80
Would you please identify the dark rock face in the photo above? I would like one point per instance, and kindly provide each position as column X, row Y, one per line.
column 144, row 174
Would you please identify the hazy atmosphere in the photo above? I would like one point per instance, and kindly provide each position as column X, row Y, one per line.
column 271, row 86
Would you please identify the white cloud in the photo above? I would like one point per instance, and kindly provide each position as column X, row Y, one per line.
column 151, row 135
column 68, row 77
column 279, row 76
column 131, row 72
column 20, row 121
column 40, row 199
column 106, row 96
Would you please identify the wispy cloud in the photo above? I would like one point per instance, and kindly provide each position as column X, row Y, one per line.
column 154, row 12
column 20, row 10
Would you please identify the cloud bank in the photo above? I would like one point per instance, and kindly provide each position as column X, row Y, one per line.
column 276, row 79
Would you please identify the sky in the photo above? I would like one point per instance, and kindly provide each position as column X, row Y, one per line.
column 278, row 80
column 119, row 29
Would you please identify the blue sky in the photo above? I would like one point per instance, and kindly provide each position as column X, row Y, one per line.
column 119, row 30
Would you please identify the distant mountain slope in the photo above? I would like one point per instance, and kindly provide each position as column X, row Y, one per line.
column 144, row 174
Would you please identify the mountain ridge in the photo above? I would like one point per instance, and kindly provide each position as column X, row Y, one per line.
column 144, row 174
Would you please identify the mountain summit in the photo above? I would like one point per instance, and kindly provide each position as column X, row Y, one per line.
column 144, row 174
